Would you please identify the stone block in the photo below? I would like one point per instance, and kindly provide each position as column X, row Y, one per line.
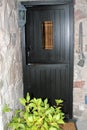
column 79, row 84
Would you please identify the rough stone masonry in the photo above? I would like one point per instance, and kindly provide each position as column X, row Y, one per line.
column 11, row 84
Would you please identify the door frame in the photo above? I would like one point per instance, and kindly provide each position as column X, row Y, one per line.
column 47, row 2
column 23, row 45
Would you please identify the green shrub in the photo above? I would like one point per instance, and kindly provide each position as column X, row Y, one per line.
column 37, row 114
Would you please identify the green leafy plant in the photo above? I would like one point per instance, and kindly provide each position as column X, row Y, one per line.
column 37, row 114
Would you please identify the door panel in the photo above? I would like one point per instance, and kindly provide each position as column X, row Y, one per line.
column 59, row 16
column 50, row 81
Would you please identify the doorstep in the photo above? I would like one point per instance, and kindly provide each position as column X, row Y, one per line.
column 69, row 125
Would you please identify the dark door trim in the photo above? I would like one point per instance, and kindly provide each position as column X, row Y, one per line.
column 47, row 2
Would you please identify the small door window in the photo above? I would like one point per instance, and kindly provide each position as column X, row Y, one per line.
column 47, row 35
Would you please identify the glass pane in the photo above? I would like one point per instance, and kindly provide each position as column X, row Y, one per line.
column 47, row 35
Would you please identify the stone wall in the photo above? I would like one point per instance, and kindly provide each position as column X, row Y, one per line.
column 11, row 84
column 80, row 73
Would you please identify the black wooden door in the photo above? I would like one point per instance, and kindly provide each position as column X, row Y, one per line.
column 49, row 70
